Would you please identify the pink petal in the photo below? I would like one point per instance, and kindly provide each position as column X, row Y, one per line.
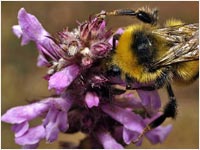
column 91, row 99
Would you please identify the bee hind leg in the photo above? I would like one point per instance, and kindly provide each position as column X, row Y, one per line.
column 170, row 111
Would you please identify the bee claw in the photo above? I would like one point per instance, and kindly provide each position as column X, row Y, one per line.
column 135, row 141
column 145, row 130
column 102, row 14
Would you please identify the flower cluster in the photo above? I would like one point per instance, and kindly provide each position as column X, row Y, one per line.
column 85, row 100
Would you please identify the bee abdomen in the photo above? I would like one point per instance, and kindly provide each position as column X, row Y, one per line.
column 187, row 72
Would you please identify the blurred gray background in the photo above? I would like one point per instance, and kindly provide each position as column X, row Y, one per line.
column 22, row 80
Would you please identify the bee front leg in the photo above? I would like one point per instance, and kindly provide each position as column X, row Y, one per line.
column 145, row 15
column 115, row 39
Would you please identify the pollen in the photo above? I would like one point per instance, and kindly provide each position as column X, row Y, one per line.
column 72, row 50
column 86, row 51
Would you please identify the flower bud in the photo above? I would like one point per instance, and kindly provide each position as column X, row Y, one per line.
column 100, row 49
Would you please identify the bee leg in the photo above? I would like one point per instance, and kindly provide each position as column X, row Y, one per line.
column 128, row 81
column 117, row 91
column 171, row 107
column 115, row 38
column 170, row 111
column 115, row 71
column 146, row 16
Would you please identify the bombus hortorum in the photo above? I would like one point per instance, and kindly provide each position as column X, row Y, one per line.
column 147, row 53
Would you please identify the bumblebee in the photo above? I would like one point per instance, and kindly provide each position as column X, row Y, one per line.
column 147, row 53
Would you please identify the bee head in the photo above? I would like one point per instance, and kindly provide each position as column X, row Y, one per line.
column 143, row 46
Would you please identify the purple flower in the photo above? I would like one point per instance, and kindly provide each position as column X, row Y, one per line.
column 86, row 100
column 55, row 120
column 30, row 29
column 133, row 124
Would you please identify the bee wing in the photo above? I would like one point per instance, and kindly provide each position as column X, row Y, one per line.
column 184, row 42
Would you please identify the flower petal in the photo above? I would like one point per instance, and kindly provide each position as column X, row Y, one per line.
column 33, row 146
column 41, row 61
column 130, row 136
column 100, row 49
column 119, row 31
column 62, row 121
column 129, row 100
column 62, row 79
column 17, row 30
column 129, row 119
column 51, row 116
column 51, row 131
column 20, row 129
column 56, row 119
column 159, row 134
column 150, row 100
column 62, row 104
column 32, row 136
column 91, row 99
column 108, row 141
column 21, row 114
column 31, row 30
column 31, row 27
